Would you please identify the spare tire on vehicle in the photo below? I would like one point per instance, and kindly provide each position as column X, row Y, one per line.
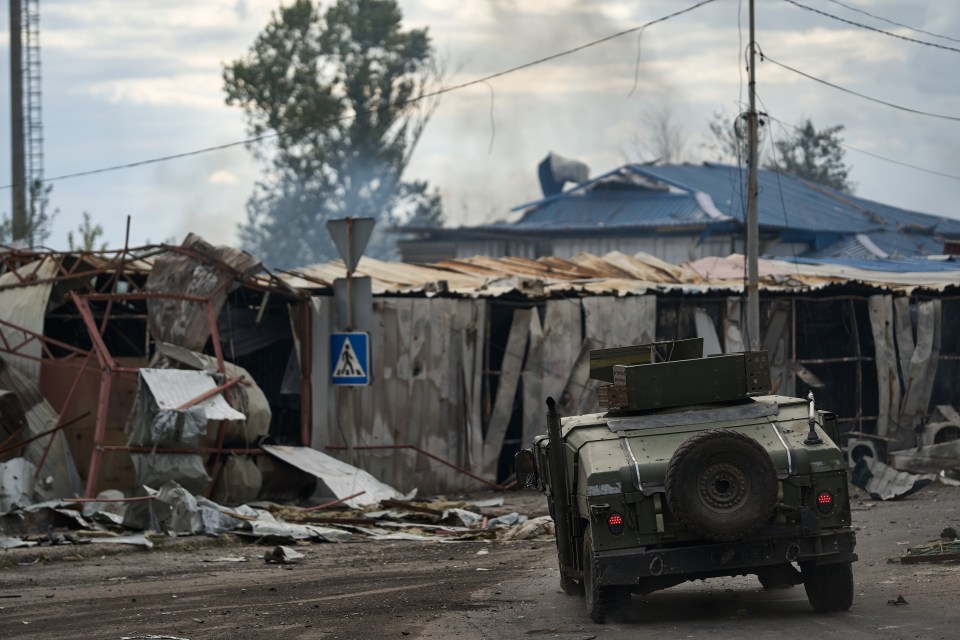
column 721, row 484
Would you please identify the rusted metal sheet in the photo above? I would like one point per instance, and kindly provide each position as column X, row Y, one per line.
column 57, row 379
column 613, row 273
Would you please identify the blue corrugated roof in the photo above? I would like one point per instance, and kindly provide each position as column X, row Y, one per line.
column 606, row 209
column 895, row 243
column 783, row 201
column 905, row 265
column 802, row 211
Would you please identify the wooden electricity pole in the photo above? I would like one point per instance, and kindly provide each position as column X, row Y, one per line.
column 753, row 294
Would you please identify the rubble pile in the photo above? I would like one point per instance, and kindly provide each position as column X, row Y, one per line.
column 172, row 511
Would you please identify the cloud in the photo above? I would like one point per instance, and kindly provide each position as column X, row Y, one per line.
column 127, row 80
column 222, row 177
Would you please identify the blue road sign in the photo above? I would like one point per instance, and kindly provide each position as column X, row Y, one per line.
column 350, row 358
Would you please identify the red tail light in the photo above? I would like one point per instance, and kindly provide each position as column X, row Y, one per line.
column 615, row 523
column 825, row 501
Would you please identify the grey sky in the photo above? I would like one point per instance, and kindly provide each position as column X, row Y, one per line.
column 129, row 80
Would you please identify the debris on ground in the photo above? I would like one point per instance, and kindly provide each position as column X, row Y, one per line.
column 900, row 600
column 282, row 554
column 933, row 552
column 883, row 482
column 932, row 458
column 337, row 477
column 171, row 511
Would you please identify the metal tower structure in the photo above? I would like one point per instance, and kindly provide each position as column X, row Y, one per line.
column 32, row 105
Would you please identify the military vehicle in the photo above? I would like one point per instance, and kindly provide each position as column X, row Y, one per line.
column 693, row 472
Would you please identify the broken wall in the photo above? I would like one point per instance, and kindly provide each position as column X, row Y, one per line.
column 428, row 376
column 426, row 366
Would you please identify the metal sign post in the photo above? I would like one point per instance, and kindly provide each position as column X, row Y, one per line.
column 350, row 347
column 350, row 235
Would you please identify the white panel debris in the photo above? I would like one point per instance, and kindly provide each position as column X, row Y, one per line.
column 341, row 479
column 172, row 388
column 16, row 484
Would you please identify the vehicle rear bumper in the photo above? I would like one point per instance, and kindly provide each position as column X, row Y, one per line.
column 630, row 566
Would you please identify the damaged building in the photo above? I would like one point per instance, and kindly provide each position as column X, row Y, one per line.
column 193, row 363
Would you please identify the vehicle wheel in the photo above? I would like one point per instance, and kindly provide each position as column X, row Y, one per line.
column 570, row 586
column 721, row 484
column 829, row 587
column 600, row 600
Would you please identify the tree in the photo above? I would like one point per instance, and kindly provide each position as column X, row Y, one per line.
column 728, row 141
column 39, row 217
column 725, row 144
column 662, row 137
column 89, row 234
column 333, row 102
column 814, row 155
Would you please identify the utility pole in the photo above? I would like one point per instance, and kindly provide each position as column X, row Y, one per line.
column 18, row 214
column 753, row 293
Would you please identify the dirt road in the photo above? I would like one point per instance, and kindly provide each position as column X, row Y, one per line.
column 472, row 590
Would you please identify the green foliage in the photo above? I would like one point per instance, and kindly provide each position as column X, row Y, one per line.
column 39, row 217
column 727, row 141
column 814, row 155
column 811, row 154
column 329, row 97
column 89, row 234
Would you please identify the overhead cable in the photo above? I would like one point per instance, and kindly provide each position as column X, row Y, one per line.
column 870, row 153
column 424, row 96
column 868, row 27
column 894, row 23
column 764, row 56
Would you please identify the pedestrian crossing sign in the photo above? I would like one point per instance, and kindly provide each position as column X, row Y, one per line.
column 350, row 358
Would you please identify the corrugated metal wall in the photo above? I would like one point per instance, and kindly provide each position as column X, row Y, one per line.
column 433, row 388
column 428, row 373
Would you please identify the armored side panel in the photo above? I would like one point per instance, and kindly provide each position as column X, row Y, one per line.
column 720, row 378
column 602, row 361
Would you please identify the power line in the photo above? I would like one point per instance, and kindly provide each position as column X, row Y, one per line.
column 870, row 153
column 868, row 27
column 764, row 56
column 896, row 24
column 424, row 96
column 174, row 156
